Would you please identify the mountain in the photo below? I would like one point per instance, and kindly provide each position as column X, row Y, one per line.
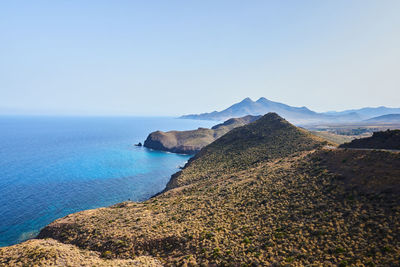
column 267, row 138
column 296, row 115
column 366, row 113
column 389, row 139
column 190, row 142
column 265, row 194
column 389, row 118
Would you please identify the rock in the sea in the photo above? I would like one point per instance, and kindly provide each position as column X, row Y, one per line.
column 138, row 144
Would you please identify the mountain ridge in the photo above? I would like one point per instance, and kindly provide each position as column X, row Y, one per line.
column 296, row 115
column 367, row 112
column 385, row 118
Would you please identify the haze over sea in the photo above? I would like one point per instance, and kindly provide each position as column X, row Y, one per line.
column 53, row 166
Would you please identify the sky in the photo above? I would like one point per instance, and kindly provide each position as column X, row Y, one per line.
column 167, row 58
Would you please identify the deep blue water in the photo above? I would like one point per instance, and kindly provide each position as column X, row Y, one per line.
column 54, row 166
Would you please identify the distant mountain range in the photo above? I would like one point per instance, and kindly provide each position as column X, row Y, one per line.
column 296, row 115
column 367, row 113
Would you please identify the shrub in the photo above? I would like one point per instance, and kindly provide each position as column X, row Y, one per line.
column 106, row 254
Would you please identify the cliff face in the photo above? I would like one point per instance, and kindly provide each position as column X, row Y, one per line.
column 190, row 142
column 264, row 194
column 187, row 142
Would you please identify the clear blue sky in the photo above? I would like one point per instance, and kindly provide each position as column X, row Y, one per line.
column 177, row 57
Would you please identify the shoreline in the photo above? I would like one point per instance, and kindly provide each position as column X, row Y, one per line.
column 33, row 234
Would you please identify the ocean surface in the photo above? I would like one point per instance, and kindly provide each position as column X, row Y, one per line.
column 54, row 166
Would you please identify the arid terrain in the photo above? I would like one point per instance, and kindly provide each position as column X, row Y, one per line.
column 264, row 194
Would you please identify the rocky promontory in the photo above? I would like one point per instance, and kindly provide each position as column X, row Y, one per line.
column 190, row 142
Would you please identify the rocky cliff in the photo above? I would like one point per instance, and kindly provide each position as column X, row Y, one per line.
column 190, row 142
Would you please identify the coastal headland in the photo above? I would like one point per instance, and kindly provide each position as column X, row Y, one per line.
column 191, row 142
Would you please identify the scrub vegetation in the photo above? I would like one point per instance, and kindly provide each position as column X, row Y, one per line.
column 267, row 193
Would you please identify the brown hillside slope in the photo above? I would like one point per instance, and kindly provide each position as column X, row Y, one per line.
column 50, row 252
column 274, row 204
column 389, row 139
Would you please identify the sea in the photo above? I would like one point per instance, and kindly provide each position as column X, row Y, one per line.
column 53, row 166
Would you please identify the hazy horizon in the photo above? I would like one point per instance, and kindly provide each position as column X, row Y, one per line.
column 174, row 58
column 19, row 112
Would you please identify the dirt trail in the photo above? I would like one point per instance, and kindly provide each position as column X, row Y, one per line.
column 366, row 149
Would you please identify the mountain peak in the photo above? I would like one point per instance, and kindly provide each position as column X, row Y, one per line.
column 272, row 116
column 262, row 99
column 269, row 137
column 246, row 100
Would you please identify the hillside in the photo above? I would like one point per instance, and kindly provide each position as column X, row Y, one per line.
column 190, row 142
column 265, row 139
column 389, row 118
column 50, row 252
column 389, row 139
column 297, row 115
column 267, row 193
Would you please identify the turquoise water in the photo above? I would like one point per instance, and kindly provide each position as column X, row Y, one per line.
column 53, row 166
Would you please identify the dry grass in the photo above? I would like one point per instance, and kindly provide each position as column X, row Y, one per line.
column 291, row 210
column 50, row 252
